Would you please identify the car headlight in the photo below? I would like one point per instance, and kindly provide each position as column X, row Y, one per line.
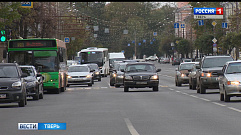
column 183, row 75
column 120, row 76
column 16, row 85
column 97, row 73
column 88, row 76
column 114, row 75
column 69, row 76
column 206, row 74
column 128, row 78
column 154, row 77
column 233, row 82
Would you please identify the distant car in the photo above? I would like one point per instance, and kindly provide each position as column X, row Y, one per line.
column 80, row 74
column 182, row 73
column 141, row 75
column 34, row 82
column 176, row 61
column 166, row 60
column 152, row 58
column 120, row 75
column 161, row 60
column 186, row 60
column 193, row 76
column 12, row 84
column 96, row 73
column 229, row 81
column 116, row 65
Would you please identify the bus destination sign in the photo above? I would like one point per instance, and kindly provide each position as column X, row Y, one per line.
column 32, row 44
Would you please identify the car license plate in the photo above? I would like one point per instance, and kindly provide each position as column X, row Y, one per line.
column 141, row 82
column 3, row 95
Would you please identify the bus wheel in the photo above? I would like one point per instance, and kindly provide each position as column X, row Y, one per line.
column 57, row 91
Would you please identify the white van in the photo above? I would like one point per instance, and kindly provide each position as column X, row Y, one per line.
column 115, row 56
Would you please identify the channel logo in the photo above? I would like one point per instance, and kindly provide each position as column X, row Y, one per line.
column 208, row 11
column 41, row 126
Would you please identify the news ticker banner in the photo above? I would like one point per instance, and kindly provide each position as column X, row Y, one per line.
column 208, row 13
column 41, row 126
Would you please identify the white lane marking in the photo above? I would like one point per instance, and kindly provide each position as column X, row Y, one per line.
column 171, row 89
column 177, row 91
column 193, row 96
column 103, row 87
column 218, row 104
column 204, row 99
column 130, row 127
column 237, row 110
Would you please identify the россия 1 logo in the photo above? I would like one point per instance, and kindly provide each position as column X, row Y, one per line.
column 208, row 13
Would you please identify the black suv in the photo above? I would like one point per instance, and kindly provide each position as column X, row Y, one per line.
column 140, row 75
column 12, row 84
column 208, row 74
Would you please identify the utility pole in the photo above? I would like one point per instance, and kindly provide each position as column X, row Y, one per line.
column 135, row 43
column 237, row 28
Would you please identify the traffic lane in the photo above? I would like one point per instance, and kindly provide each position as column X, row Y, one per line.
column 211, row 96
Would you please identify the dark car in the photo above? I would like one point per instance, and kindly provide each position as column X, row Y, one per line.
column 34, row 81
column 141, row 75
column 12, row 84
column 209, row 72
column 116, row 64
column 96, row 74
column 119, row 74
column 176, row 61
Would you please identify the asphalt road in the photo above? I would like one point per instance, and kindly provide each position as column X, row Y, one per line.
column 105, row 110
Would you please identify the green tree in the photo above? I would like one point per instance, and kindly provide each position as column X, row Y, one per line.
column 204, row 44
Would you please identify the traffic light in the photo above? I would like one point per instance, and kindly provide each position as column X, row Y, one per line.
column 3, row 36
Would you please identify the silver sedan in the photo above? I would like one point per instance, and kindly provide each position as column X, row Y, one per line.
column 229, row 82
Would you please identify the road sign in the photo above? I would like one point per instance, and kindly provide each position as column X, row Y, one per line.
column 214, row 23
column 214, row 40
column 182, row 25
column 200, row 22
column 154, row 33
column 66, row 39
column 27, row 4
column 176, row 25
column 224, row 25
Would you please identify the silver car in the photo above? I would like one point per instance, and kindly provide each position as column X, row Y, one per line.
column 80, row 74
column 229, row 82
column 120, row 75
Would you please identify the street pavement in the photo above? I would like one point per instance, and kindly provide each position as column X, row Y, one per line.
column 106, row 110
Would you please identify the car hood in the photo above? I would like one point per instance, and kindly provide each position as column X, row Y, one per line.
column 78, row 73
column 213, row 69
column 30, row 79
column 233, row 77
column 183, row 71
column 140, row 73
column 8, row 81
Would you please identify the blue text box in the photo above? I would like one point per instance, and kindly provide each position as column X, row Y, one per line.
column 51, row 126
column 204, row 11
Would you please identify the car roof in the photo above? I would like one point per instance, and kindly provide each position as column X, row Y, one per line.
column 27, row 66
column 141, row 63
column 189, row 63
column 217, row 56
column 8, row 64
column 83, row 65
column 238, row 61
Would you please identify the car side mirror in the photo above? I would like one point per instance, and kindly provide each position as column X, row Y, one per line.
column 158, row 70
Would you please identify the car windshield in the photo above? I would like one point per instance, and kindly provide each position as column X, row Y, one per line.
column 121, row 67
column 140, row 68
column 78, row 69
column 28, row 70
column 215, row 62
column 94, row 66
column 8, row 72
column 185, row 66
column 234, row 68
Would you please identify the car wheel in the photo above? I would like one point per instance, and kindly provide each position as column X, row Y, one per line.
column 155, row 88
column 99, row 79
column 57, row 91
column 22, row 102
column 67, row 85
column 193, row 85
column 41, row 96
column 202, row 89
column 112, row 83
column 221, row 97
column 36, row 96
column 126, row 89
column 117, row 86
column 190, row 86
column 226, row 97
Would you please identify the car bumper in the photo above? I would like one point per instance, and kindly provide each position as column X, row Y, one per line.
column 234, row 90
column 78, row 81
column 210, row 82
column 119, row 80
column 141, row 84
column 183, row 80
column 11, row 96
column 97, row 76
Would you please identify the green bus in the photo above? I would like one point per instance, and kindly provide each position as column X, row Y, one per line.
column 49, row 56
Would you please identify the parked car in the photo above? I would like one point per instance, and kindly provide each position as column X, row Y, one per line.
column 193, row 76
column 152, row 58
column 96, row 74
column 229, row 81
column 34, row 82
column 209, row 72
column 12, row 84
column 120, row 75
column 176, row 61
column 80, row 74
column 182, row 73
column 141, row 75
